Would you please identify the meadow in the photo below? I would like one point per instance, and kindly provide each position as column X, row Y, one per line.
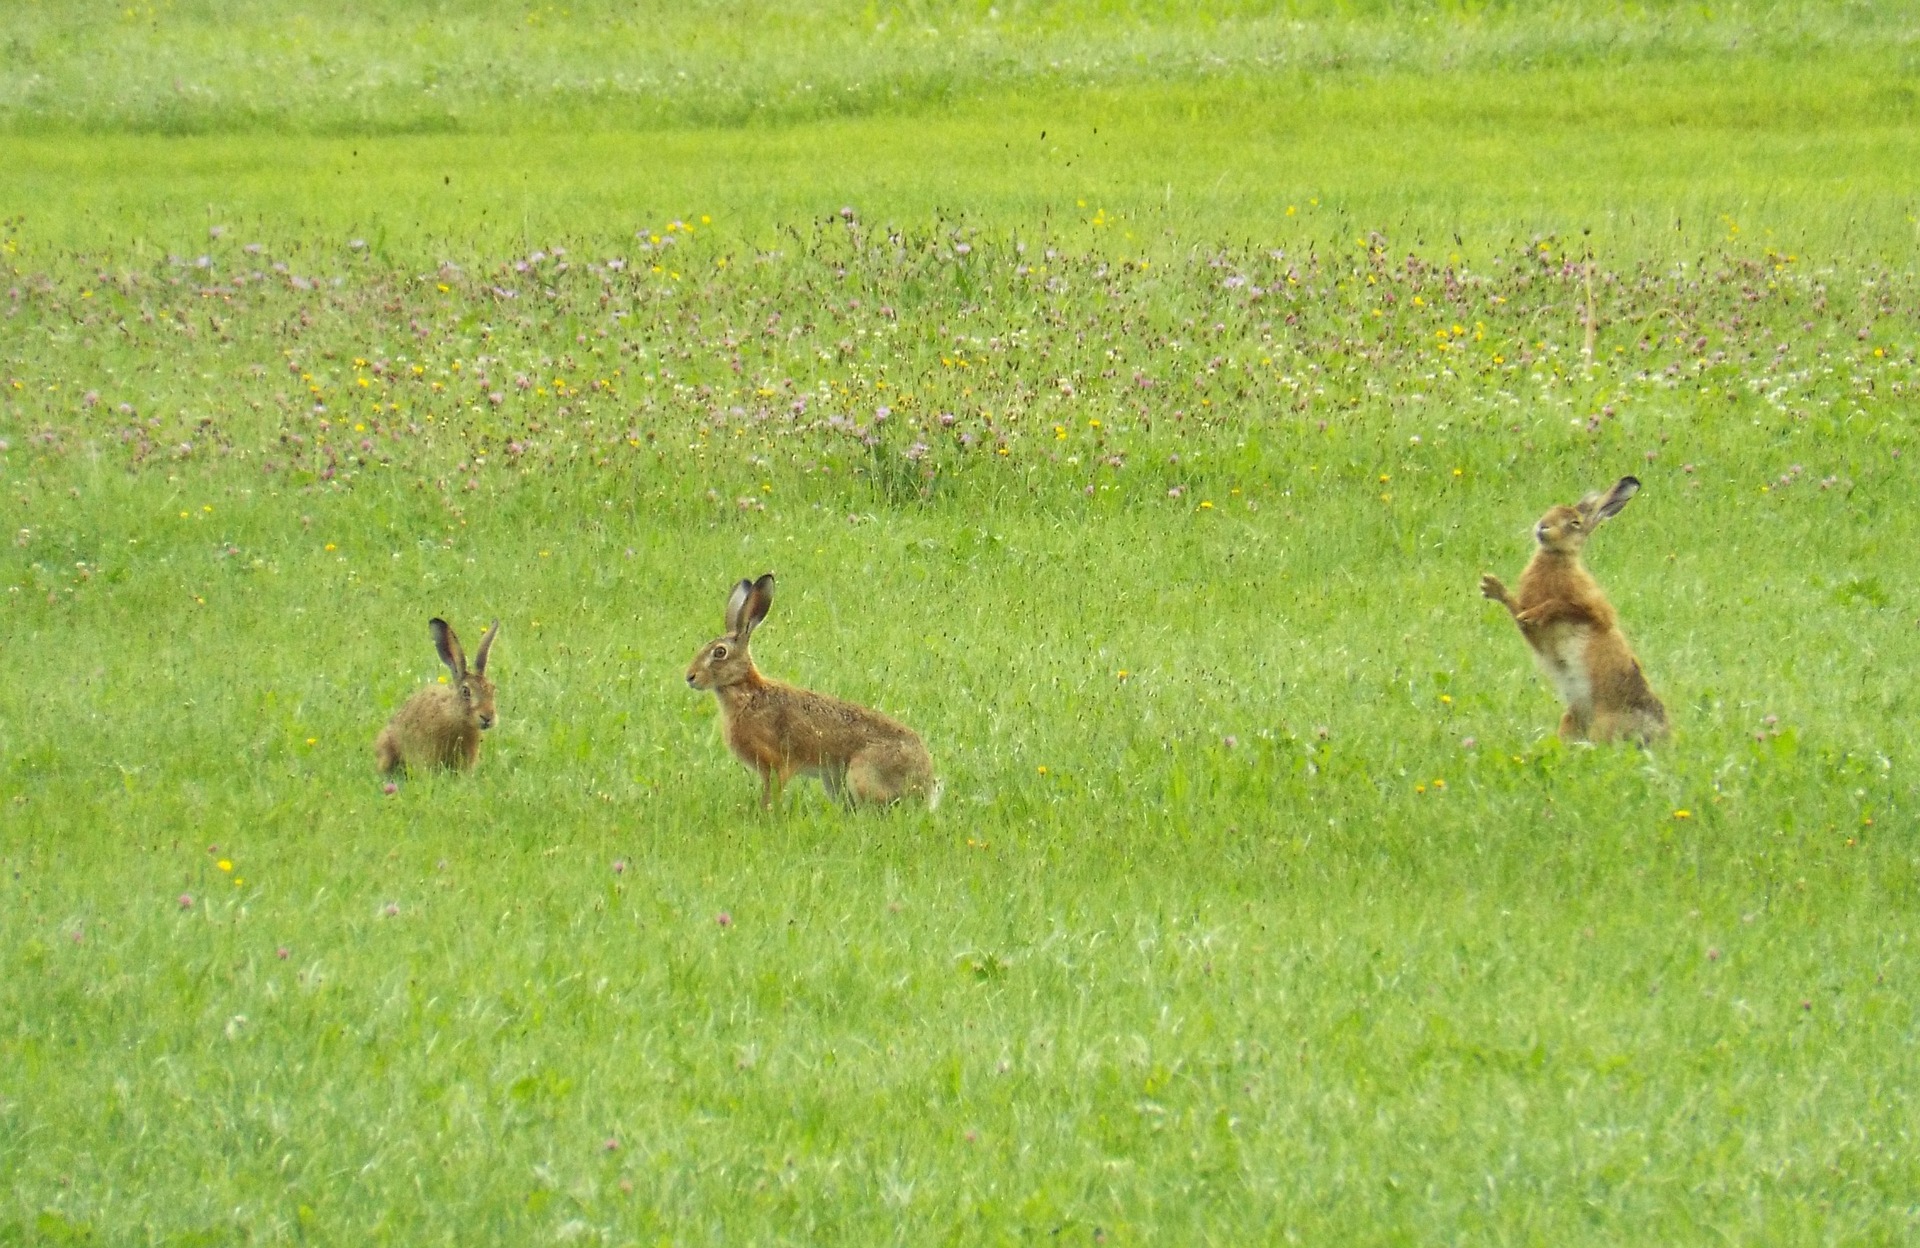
column 1147, row 466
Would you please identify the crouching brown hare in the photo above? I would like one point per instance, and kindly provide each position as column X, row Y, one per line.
column 440, row 726
column 780, row 730
column 1568, row 621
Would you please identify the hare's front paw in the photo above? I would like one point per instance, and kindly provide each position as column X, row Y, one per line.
column 1490, row 587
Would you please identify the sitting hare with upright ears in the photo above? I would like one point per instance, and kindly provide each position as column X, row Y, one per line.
column 440, row 726
column 780, row 730
column 1570, row 624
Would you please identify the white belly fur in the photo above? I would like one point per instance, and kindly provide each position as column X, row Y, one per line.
column 1562, row 655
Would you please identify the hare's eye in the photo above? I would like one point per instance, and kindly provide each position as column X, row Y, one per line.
column 1573, row 524
column 719, row 652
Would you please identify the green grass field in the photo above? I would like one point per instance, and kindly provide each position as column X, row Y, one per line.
column 1147, row 468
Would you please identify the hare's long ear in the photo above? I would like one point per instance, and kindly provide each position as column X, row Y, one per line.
column 759, row 602
column 486, row 644
column 1622, row 492
column 736, row 600
column 449, row 647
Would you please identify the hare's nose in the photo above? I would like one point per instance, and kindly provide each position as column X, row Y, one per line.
column 486, row 721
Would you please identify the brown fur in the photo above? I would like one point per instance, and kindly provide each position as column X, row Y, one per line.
column 781, row 730
column 440, row 726
column 1571, row 626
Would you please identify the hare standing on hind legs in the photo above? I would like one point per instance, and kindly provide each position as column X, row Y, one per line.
column 440, row 726
column 780, row 730
column 1570, row 625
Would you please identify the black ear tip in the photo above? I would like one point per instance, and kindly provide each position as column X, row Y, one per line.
column 1631, row 482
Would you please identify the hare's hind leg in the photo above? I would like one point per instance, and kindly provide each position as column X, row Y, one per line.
column 883, row 775
column 834, row 780
column 1641, row 725
column 1650, row 718
column 1653, row 725
column 386, row 751
column 868, row 783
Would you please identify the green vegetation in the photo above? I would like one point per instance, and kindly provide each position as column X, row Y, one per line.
column 470, row 131
column 1263, row 905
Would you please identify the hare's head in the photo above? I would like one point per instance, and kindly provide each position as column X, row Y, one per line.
column 724, row 660
column 469, row 683
column 1564, row 530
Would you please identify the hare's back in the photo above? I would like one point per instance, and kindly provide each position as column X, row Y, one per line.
column 437, row 708
column 837, row 718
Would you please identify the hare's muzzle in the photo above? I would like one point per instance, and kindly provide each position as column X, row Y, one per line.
column 486, row 721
